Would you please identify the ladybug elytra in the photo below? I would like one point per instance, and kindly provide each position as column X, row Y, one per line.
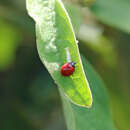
column 68, row 68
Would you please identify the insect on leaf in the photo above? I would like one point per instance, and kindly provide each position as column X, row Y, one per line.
column 99, row 116
column 57, row 45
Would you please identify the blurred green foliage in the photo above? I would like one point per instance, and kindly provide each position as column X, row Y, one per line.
column 29, row 98
column 98, row 117
column 113, row 12
column 9, row 40
column 86, row 2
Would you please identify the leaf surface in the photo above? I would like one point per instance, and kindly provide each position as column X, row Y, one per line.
column 96, row 118
column 57, row 45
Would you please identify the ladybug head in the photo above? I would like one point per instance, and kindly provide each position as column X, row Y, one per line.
column 73, row 64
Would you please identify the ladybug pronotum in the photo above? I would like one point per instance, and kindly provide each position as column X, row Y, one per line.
column 68, row 68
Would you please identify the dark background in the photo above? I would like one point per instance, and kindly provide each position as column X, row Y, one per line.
column 29, row 99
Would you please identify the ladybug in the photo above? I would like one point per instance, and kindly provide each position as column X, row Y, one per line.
column 68, row 68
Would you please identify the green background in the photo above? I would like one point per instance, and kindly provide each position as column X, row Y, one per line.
column 29, row 98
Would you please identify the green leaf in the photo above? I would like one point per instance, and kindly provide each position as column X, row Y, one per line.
column 86, row 2
column 96, row 118
column 9, row 41
column 75, row 15
column 113, row 12
column 56, row 45
column 92, row 37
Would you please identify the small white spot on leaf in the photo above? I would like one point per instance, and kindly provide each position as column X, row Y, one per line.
column 52, row 67
column 68, row 54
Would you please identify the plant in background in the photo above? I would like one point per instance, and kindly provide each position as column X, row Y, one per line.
column 57, row 45
column 30, row 96
column 86, row 2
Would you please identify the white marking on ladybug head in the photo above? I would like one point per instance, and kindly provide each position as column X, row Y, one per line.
column 68, row 54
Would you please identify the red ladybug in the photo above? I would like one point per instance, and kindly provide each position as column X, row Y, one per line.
column 68, row 68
